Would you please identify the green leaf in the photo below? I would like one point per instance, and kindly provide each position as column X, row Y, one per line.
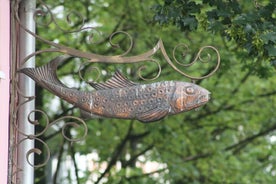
column 271, row 49
column 269, row 37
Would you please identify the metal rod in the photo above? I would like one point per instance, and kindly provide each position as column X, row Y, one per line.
column 27, row 87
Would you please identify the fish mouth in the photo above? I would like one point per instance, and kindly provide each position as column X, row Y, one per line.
column 204, row 98
column 201, row 100
column 208, row 96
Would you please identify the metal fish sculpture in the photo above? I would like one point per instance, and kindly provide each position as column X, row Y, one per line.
column 121, row 98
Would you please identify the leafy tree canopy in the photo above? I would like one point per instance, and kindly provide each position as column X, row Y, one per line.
column 250, row 24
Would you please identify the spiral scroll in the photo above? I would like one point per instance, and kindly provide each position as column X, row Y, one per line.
column 199, row 58
column 44, row 17
column 121, row 58
column 74, row 122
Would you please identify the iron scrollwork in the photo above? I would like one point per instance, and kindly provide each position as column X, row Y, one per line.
column 96, row 58
column 121, row 58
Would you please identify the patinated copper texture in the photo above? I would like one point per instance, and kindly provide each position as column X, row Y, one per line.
column 121, row 98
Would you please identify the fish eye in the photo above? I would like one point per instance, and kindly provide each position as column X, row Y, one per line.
column 190, row 90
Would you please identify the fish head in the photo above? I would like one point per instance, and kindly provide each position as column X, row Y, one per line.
column 189, row 96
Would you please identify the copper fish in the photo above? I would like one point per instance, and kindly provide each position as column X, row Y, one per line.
column 119, row 97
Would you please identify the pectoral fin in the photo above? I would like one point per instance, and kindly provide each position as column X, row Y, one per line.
column 152, row 115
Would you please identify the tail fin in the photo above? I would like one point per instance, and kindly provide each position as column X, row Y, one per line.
column 46, row 73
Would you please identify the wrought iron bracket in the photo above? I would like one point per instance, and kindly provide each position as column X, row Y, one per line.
column 123, row 58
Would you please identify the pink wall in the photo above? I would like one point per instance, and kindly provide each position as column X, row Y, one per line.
column 4, row 87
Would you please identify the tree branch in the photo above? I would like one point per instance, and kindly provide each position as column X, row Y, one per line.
column 146, row 174
column 72, row 152
column 116, row 153
column 133, row 158
column 59, row 159
column 196, row 157
column 241, row 144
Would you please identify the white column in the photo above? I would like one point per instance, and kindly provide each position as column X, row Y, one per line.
column 27, row 87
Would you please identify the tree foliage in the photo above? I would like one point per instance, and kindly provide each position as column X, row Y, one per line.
column 229, row 140
column 251, row 25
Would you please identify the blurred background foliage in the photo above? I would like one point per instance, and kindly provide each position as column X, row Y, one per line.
column 230, row 140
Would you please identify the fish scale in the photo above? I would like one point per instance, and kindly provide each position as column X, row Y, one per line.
column 124, row 103
column 121, row 98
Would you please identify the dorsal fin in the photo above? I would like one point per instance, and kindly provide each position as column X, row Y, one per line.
column 116, row 81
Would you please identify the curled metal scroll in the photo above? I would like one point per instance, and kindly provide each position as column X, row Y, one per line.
column 122, row 58
column 73, row 122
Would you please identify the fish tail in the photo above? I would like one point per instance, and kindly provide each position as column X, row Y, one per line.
column 46, row 73
column 46, row 77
